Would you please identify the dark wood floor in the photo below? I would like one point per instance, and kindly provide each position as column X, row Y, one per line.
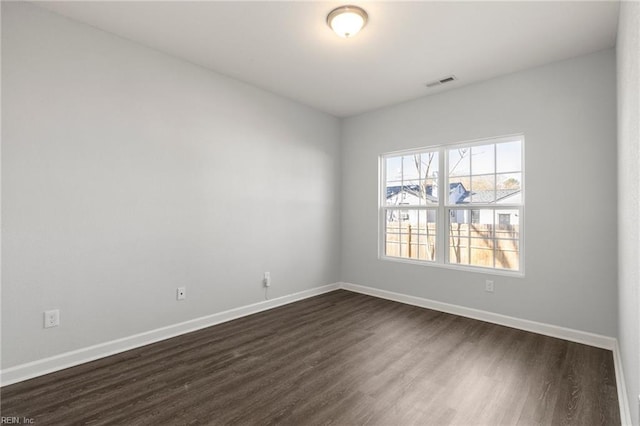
column 339, row 358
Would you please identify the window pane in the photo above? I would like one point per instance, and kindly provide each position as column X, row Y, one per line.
column 509, row 181
column 507, row 218
column 393, row 184
column 410, row 194
column 412, row 179
column 471, row 237
column 483, row 189
column 393, row 169
column 411, row 167
column 393, row 193
column 475, row 216
column 404, row 193
column 459, row 236
column 459, row 217
column 424, row 235
column 483, row 159
column 483, row 225
column 459, row 161
column 509, row 157
column 483, row 183
column 415, row 234
column 392, row 249
column 507, row 254
column 508, row 189
column 429, row 165
column 481, row 252
column 405, row 217
column 411, row 233
column 507, row 223
column 459, row 250
column 429, row 191
column 392, row 233
column 429, row 177
column 459, row 190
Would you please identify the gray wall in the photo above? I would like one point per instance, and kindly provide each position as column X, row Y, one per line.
column 127, row 173
column 628, row 46
column 567, row 112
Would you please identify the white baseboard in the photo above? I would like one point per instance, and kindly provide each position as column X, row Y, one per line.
column 69, row 359
column 623, row 400
column 584, row 337
column 597, row 340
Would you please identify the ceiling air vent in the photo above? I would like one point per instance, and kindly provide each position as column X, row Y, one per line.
column 441, row 81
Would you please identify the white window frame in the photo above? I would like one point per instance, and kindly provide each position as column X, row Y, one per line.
column 443, row 207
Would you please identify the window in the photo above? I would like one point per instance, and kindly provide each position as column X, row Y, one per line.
column 458, row 205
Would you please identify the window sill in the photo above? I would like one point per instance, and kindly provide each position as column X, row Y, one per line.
column 464, row 268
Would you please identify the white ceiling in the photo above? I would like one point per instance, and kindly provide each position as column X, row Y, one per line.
column 287, row 48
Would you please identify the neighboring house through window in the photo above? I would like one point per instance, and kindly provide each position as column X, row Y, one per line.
column 475, row 216
column 504, row 219
column 476, row 222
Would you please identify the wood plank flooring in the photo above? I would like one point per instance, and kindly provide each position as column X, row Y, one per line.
column 340, row 358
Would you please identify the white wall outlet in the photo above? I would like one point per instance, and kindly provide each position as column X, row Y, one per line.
column 51, row 318
column 488, row 286
column 267, row 279
column 181, row 293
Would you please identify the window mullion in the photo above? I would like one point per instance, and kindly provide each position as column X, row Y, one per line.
column 382, row 215
column 443, row 183
column 493, row 239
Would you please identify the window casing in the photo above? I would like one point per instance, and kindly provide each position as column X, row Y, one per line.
column 458, row 205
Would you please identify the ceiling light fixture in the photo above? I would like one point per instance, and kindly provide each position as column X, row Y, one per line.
column 346, row 21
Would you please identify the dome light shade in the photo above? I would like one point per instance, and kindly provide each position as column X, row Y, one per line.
column 346, row 21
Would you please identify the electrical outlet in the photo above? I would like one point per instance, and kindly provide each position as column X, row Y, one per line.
column 181, row 293
column 51, row 318
column 267, row 279
column 488, row 286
